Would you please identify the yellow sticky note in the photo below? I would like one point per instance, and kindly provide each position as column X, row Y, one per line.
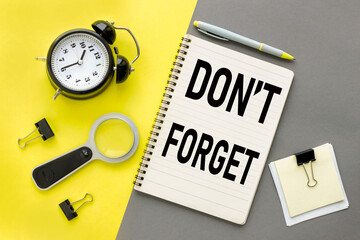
column 27, row 30
column 299, row 197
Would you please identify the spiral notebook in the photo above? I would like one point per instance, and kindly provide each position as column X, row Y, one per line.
column 214, row 129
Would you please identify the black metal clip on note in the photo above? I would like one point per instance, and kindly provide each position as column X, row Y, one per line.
column 303, row 158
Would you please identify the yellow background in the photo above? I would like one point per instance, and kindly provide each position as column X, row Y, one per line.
column 27, row 28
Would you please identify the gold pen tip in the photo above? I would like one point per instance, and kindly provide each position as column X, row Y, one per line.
column 195, row 23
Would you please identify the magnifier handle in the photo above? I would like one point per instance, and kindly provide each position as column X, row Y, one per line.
column 48, row 174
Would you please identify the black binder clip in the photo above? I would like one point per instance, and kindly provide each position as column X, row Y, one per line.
column 44, row 129
column 68, row 209
column 306, row 157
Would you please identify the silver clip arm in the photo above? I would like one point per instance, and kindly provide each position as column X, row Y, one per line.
column 83, row 202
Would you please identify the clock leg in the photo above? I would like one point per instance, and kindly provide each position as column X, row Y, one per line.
column 43, row 59
column 57, row 93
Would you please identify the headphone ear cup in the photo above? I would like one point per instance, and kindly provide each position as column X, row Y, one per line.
column 122, row 69
column 105, row 29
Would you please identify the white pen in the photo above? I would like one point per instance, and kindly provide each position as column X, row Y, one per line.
column 227, row 35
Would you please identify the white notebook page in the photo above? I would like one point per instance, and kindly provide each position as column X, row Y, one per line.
column 195, row 186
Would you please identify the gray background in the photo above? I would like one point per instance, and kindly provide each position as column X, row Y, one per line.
column 323, row 106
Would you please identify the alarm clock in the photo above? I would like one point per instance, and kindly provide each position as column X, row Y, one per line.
column 80, row 62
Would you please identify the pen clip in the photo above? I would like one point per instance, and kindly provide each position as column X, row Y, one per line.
column 212, row 35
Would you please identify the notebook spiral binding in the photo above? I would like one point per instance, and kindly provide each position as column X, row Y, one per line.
column 165, row 102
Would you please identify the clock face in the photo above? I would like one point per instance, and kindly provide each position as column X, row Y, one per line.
column 80, row 61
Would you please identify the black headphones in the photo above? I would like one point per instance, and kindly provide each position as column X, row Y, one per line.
column 106, row 30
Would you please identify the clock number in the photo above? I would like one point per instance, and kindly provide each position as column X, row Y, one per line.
column 68, row 76
column 83, row 45
column 99, row 64
column 62, row 59
column 97, row 55
column 73, row 45
column 63, row 69
column 65, row 51
column 95, row 73
column 91, row 47
column 87, row 79
column 77, row 80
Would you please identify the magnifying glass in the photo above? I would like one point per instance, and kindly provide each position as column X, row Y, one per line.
column 108, row 141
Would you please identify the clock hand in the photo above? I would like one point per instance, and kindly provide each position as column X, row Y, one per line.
column 78, row 62
column 70, row 65
column 82, row 57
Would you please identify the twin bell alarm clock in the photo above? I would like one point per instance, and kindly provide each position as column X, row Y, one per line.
column 80, row 62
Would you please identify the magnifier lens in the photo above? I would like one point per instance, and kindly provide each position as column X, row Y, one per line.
column 114, row 138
